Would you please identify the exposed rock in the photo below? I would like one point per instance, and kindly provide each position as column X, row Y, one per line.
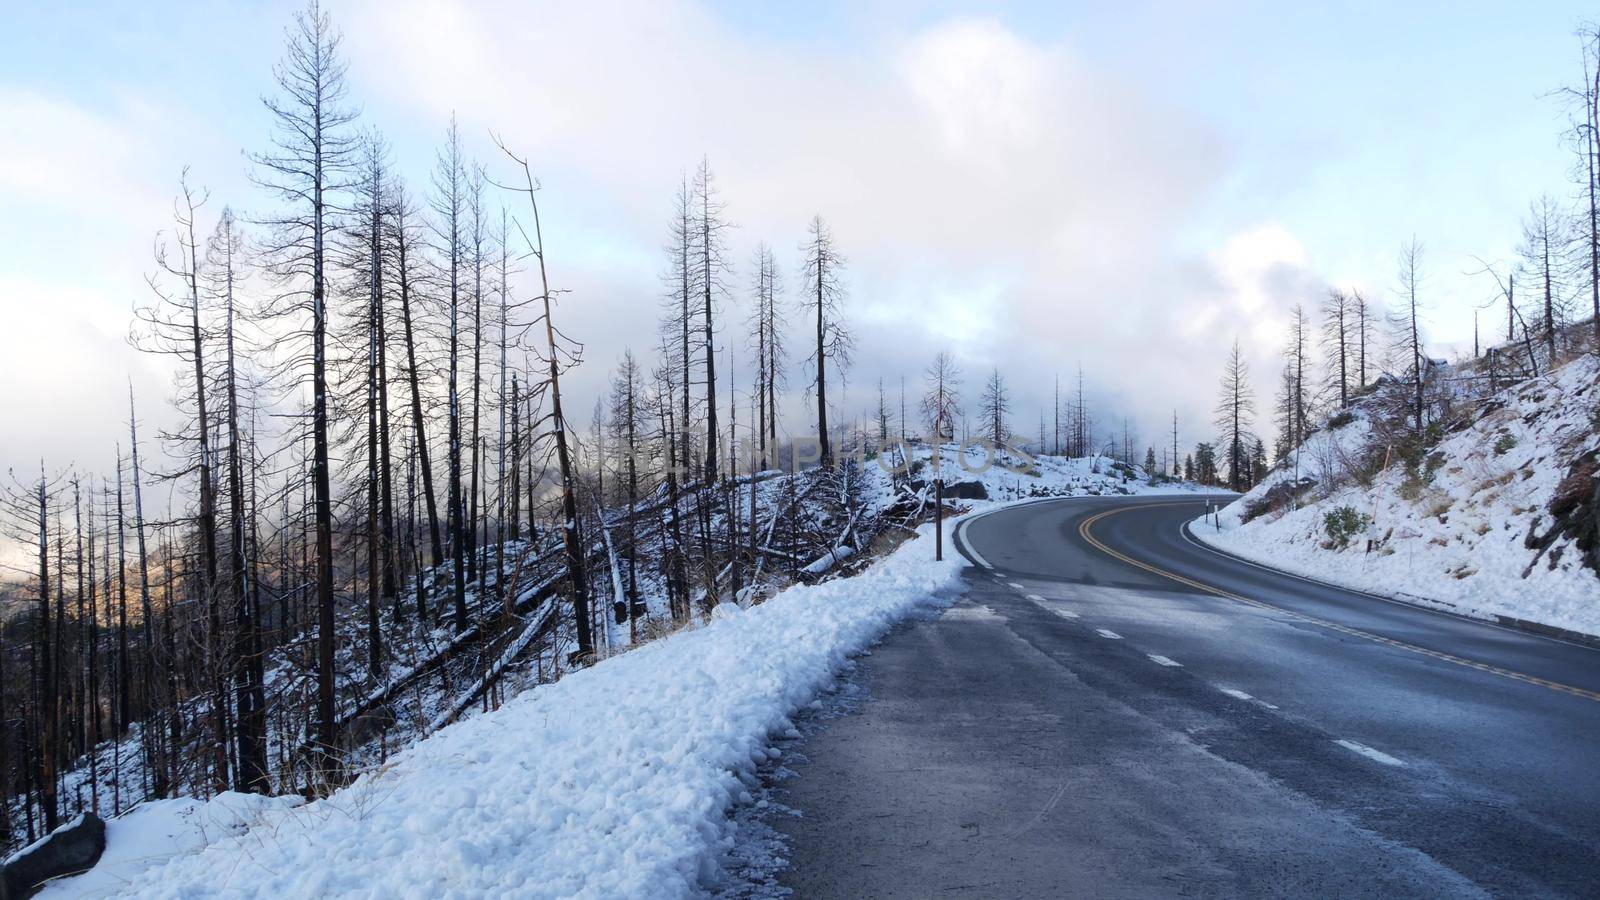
column 966, row 490
column 1576, row 507
column 73, row 848
column 1275, row 497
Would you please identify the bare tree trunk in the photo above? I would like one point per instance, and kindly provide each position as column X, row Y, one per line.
column 419, row 423
column 152, row 730
column 246, row 664
column 475, row 475
column 48, row 707
column 572, row 546
column 1591, row 166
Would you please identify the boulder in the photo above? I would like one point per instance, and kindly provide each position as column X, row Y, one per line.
column 965, row 490
column 73, row 848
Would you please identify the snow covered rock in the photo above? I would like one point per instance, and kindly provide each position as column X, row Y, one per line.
column 70, row 849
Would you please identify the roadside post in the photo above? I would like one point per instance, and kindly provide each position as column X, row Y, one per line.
column 938, row 498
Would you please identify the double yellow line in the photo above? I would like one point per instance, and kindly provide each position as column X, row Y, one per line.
column 1085, row 533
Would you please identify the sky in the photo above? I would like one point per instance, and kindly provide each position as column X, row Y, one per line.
column 1033, row 186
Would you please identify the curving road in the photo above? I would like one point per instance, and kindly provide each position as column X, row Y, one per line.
column 1114, row 710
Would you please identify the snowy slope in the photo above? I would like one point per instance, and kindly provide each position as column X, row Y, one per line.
column 1457, row 539
column 615, row 780
column 1005, row 477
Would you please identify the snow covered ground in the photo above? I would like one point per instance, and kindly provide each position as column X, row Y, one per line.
column 615, row 780
column 1457, row 539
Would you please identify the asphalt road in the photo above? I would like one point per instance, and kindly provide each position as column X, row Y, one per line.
column 1113, row 710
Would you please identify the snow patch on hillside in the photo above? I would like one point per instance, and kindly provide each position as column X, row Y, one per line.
column 1455, row 538
column 614, row 781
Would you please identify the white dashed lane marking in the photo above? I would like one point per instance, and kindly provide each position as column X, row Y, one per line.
column 1108, row 634
column 1164, row 661
column 1368, row 752
column 1237, row 694
column 1063, row 613
column 1014, row 585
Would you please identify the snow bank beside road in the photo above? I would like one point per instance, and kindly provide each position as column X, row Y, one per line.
column 613, row 781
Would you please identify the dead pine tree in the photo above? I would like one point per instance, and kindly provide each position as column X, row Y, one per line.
column 1235, row 405
column 26, row 509
column 362, row 379
column 994, row 405
column 1407, row 324
column 1336, row 326
column 881, row 417
column 1363, row 314
column 477, row 237
column 153, row 731
column 405, row 243
column 941, row 399
column 677, row 354
column 822, row 299
column 1585, row 138
column 710, row 248
column 664, row 405
column 768, row 324
column 1295, row 379
column 1545, row 245
column 626, row 412
column 450, row 208
column 226, row 252
column 174, row 325
column 572, row 546
column 307, row 168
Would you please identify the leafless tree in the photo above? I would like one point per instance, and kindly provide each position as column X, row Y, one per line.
column 627, row 411
column 576, row 558
column 226, row 252
column 1545, row 246
column 994, row 404
column 1338, row 321
column 1407, row 326
column 941, row 397
column 450, row 186
column 306, row 167
column 768, row 324
column 1235, row 405
column 710, row 227
column 823, row 293
column 1585, row 138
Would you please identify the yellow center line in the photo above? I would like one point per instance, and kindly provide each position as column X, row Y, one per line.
column 1084, row 532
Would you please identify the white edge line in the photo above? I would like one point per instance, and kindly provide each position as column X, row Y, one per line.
column 958, row 534
column 958, row 538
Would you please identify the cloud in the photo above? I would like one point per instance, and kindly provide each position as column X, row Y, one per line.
column 89, row 186
column 995, row 193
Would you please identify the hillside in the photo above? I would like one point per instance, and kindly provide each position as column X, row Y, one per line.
column 694, row 704
column 1495, row 519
